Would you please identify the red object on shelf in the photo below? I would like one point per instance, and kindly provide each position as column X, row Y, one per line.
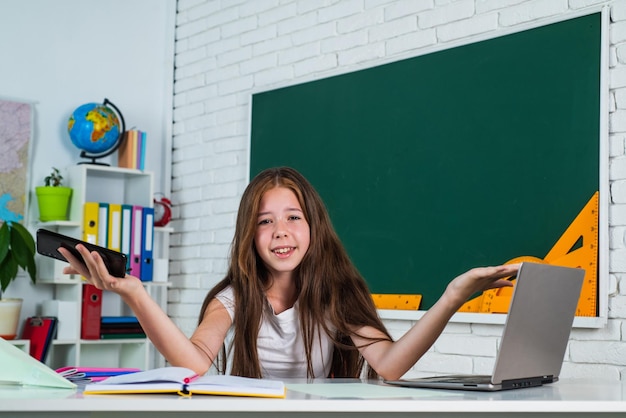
column 91, row 313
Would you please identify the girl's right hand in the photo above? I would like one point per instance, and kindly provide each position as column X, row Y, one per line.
column 95, row 271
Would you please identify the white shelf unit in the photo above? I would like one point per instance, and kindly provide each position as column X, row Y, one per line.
column 23, row 345
column 96, row 183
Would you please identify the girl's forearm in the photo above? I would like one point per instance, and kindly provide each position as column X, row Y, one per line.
column 401, row 355
column 167, row 338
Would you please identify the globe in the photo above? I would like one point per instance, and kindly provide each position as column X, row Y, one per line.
column 96, row 129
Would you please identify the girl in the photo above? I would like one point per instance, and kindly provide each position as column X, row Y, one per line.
column 295, row 303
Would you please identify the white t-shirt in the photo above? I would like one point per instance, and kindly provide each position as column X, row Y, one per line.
column 280, row 346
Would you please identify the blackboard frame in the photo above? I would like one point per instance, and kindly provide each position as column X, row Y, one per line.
column 601, row 133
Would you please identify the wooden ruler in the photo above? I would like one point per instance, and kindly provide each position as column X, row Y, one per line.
column 577, row 247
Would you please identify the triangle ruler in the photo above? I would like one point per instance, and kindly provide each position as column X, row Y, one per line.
column 577, row 247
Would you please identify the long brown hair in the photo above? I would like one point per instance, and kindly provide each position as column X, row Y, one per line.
column 333, row 297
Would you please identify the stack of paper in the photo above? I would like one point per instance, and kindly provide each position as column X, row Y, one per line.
column 92, row 374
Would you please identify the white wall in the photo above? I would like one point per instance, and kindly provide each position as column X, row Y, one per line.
column 58, row 55
column 226, row 50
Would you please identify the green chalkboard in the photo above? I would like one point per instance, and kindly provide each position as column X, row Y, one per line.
column 437, row 163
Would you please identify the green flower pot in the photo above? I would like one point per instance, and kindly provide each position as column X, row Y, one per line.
column 53, row 202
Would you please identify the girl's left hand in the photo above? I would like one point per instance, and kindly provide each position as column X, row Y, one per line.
column 479, row 279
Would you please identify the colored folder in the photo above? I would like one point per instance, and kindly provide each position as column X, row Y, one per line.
column 91, row 312
column 115, row 226
column 135, row 259
column 40, row 331
column 90, row 222
column 147, row 243
column 103, row 224
column 126, row 233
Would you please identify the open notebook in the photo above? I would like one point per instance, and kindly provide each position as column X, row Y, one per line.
column 535, row 335
column 186, row 382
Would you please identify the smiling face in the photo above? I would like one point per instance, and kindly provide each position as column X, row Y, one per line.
column 282, row 235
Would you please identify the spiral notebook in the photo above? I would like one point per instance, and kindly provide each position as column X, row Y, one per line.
column 535, row 334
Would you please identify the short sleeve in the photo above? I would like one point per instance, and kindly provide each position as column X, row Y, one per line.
column 227, row 297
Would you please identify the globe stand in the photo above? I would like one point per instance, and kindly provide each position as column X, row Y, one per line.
column 120, row 140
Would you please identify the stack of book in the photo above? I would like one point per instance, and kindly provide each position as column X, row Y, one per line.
column 120, row 327
column 132, row 151
column 92, row 374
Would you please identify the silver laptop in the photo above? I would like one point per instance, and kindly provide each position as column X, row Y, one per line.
column 535, row 334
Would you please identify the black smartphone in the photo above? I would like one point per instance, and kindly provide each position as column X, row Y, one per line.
column 48, row 243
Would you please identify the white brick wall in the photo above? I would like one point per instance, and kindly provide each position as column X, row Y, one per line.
column 225, row 50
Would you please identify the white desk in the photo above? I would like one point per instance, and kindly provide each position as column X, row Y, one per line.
column 566, row 398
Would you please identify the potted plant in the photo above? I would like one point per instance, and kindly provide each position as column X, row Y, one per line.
column 17, row 250
column 53, row 198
